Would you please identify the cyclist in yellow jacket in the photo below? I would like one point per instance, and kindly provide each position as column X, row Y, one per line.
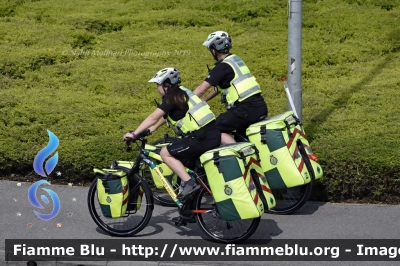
column 193, row 121
column 240, row 92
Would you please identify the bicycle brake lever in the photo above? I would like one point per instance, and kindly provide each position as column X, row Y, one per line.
column 128, row 148
column 128, row 142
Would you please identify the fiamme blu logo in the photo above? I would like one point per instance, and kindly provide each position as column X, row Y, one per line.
column 44, row 169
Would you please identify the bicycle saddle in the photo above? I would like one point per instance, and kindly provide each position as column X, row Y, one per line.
column 263, row 117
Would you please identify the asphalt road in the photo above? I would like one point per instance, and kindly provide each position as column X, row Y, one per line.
column 316, row 220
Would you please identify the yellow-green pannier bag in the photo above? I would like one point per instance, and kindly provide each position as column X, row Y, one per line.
column 164, row 169
column 135, row 197
column 228, row 170
column 167, row 173
column 281, row 160
column 154, row 151
column 113, row 193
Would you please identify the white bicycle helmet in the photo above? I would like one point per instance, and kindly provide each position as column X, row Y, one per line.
column 169, row 74
column 219, row 40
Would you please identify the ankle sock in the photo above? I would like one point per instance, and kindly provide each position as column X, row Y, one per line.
column 190, row 182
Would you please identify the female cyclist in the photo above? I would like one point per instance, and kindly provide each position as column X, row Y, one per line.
column 193, row 121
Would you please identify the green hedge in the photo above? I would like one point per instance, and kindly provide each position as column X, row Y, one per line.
column 80, row 69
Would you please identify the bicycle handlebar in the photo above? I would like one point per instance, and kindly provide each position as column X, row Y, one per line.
column 140, row 136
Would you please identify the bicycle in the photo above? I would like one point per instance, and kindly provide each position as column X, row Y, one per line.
column 288, row 200
column 199, row 204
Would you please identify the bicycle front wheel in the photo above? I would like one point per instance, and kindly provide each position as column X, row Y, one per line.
column 138, row 214
column 214, row 227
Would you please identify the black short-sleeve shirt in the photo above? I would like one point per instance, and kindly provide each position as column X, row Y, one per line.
column 221, row 75
column 172, row 110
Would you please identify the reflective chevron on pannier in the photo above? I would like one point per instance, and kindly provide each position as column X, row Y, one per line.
column 276, row 139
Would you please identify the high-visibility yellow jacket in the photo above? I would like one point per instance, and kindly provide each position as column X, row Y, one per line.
column 243, row 85
column 198, row 115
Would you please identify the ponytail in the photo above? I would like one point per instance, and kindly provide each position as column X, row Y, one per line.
column 177, row 97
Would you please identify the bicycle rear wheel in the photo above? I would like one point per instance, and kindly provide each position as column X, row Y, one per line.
column 214, row 227
column 289, row 200
column 137, row 215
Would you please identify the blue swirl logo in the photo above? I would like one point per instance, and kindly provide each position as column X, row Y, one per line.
column 32, row 198
column 42, row 155
column 49, row 167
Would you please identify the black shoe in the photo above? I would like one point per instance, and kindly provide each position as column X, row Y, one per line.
column 187, row 190
column 179, row 220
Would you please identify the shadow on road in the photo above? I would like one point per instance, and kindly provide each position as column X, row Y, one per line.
column 267, row 228
column 309, row 208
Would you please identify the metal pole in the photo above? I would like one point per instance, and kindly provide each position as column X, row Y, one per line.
column 294, row 54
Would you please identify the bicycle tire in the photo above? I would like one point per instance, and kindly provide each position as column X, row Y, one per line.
column 161, row 196
column 126, row 225
column 245, row 228
column 292, row 199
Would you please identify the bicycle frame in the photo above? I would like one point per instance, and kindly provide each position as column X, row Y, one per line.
column 153, row 167
column 146, row 154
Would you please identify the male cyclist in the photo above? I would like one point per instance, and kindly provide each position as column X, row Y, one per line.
column 240, row 92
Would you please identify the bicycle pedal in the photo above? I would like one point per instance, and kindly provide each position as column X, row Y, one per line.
column 181, row 223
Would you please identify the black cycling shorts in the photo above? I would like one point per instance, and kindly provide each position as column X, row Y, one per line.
column 240, row 118
column 190, row 148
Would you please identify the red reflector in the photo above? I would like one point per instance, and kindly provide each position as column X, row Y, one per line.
column 283, row 79
column 199, row 211
column 313, row 157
